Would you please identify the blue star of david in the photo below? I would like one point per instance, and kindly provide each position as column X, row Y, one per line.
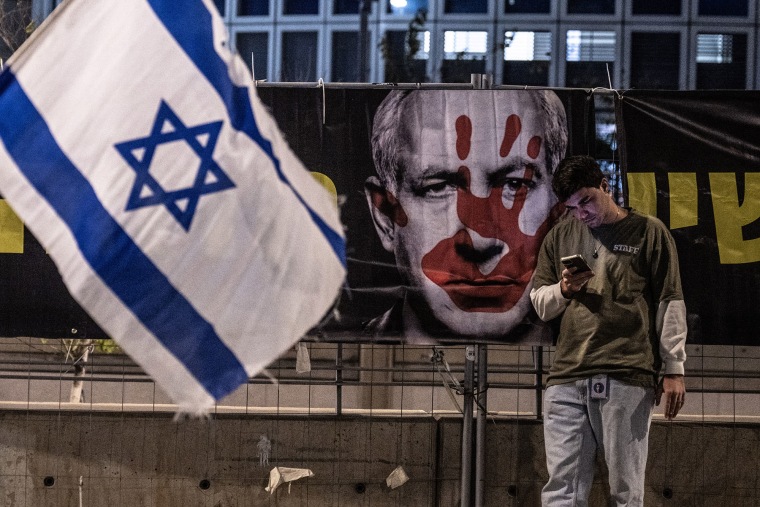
column 181, row 203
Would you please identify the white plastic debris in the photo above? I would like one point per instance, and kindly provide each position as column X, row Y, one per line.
column 281, row 475
column 397, row 478
column 303, row 361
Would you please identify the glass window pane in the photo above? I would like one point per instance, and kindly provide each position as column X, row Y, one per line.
column 459, row 71
column 589, row 54
column 534, row 73
column 465, row 6
column 667, row 7
column 723, row 8
column 527, row 57
column 465, row 45
column 588, row 74
column 406, row 7
column 254, row 47
column 404, row 63
column 655, row 60
column 299, row 56
column 590, row 46
column 253, row 8
column 301, row 7
column 220, row 6
column 591, row 6
column 346, row 7
column 715, row 48
column 464, row 54
column 721, row 61
column 345, row 57
column 527, row 6
column 527, row 46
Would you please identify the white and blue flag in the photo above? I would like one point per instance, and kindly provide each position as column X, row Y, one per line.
column 133, row 146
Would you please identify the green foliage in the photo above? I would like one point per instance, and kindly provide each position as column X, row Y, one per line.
column 74, row 348
column 107, row 346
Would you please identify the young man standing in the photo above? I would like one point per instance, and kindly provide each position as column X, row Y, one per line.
column 623, row 322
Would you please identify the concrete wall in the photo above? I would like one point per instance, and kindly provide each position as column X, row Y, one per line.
column 143, row 459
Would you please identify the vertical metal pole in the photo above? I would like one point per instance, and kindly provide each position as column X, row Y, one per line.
column 480, row 427
column 478, row 81
column 469, row 373
column 539, row 351
column 364, row 9
column 339, row 380
column 481, row 81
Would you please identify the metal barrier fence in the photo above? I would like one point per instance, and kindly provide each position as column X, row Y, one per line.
column 722, row 381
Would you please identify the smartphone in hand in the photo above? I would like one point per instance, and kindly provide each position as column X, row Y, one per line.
column 575, row 263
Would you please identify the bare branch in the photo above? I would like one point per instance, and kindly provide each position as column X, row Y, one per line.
column 15, row 25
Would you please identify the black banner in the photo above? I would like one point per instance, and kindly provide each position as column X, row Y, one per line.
column 445, row 196
column 35, row 302
column 693, row 159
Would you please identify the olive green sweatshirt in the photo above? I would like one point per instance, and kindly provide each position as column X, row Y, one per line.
column 630, row 318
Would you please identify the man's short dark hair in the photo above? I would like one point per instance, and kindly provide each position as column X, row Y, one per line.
column 574, row 173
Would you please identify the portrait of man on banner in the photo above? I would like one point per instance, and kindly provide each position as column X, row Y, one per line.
column 462, row 198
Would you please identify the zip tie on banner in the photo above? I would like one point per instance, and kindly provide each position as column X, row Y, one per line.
column 447, row 378
column 321, row 84
column 616, row 92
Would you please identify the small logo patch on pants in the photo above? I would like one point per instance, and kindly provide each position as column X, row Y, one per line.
column 599, row 387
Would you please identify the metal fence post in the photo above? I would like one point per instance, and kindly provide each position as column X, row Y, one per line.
column 480, row 427
column 469, row 373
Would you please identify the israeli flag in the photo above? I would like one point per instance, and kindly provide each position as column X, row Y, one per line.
column 133, row 146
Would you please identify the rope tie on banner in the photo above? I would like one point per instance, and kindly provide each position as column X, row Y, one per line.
column 321, row 84
column 451, row 384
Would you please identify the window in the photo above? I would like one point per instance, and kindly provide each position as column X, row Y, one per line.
column 464, row 54
column 346, row 7
column 589, row 56
column 253, row 48
column 657, row 7
column 721, row 61
column 299, row 56
column 465, row 6
column 655, row 58
column 301, row 7
column 404, row 62
column 345, row 57
column 406, row 7
column 465, row 45
column 591, row 6
column 723, row 8
column 220, row 6
column 527, row 6
column 253, row 8
column 527, row 56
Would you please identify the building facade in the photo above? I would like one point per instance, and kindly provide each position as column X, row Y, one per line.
column 662, row 44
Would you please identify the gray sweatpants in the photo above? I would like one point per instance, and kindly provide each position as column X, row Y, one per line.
column 575, row 426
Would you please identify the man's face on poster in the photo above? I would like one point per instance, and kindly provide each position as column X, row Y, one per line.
column 471, row 209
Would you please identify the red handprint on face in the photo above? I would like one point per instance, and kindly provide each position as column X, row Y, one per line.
column 455, row 263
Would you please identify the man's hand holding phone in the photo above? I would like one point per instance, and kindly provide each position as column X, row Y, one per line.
column 576, row 274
